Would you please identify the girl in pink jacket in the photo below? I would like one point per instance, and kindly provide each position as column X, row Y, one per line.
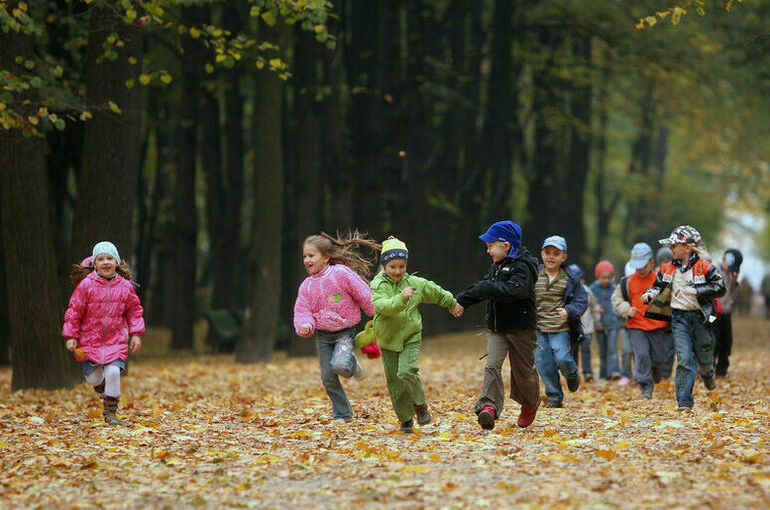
column 104, row 314
column 329, row 304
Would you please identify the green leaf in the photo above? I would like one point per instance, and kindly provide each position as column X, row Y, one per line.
column 130, row 83
column 114, row 107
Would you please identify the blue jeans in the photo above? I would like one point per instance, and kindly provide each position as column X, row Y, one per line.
column 607, row 341
column 626, row 354
column 584, row 350
column 694, row 345
column 335, row 354
column 552, row 355
column 668, row 362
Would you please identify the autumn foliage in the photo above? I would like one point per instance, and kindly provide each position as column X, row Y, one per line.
column 205, row 431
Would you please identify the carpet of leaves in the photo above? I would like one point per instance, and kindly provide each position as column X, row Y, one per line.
column 204, row 431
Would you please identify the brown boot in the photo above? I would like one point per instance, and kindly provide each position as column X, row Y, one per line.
column 423, row 416
column 110, row 408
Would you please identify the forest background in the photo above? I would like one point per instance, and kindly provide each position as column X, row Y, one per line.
column 208, row 138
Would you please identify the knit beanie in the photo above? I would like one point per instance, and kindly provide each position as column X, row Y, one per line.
column 105, row 247
column 604, row 266
column 393, row 249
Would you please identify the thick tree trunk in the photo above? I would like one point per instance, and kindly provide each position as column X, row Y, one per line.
column 186, row 245
column 308, row 185
column 578, row 162
column 5, row 319
column 32, row 285
column 106, row 188
column 258, row 335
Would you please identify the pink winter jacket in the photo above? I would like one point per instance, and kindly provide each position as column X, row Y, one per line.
column 332, row 299
column 102, row 315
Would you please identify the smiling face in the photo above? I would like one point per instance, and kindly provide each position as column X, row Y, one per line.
column 313, row 258
column 681, row 251
column 395, row 268
column 498, row 250
column 105, row 265
column 553, row 258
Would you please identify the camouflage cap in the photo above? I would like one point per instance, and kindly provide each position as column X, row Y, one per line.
column 683, row 234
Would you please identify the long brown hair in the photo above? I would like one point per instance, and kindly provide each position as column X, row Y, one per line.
column 79, row 271
column 342, row 250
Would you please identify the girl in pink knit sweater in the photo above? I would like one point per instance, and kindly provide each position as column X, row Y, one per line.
column 329, row 304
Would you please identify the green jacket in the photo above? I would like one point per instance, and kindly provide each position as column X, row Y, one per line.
column 396, row 318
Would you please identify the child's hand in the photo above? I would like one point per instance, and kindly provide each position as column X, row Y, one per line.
column 136, row 344
column 646, row 298
column 562, row 313
column 457, row 310
column 632, row 312
column 407, row 292
column 72, row 344
column 304, row 330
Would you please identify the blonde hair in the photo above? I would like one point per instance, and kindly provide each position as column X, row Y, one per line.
column 80, row 271
column 341, row 250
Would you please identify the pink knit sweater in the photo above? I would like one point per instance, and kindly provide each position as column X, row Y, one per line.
column 332, row 299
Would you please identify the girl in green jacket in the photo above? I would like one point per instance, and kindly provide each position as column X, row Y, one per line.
column 398, row 329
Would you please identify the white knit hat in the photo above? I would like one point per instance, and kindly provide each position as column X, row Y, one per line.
column 105, row 247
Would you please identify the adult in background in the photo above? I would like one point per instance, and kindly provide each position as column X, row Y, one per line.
column 723, row 326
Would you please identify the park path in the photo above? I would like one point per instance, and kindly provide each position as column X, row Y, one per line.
column 206, row 432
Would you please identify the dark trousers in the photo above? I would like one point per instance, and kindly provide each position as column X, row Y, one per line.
column 723, row 345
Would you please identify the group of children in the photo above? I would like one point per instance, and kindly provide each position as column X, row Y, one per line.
column 541, row 315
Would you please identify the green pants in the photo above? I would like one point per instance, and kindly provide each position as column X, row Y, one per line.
column 402, row 375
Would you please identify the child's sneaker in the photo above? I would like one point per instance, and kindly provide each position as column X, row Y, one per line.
column 647, row 393
column 359, row 374
column 710, row 382
column 423, row 416
column 486, row 418
column 554, row 403
column 573, row 383
column 406, row 427
column 526, row 417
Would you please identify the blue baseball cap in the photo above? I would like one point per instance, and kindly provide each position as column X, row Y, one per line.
column 641, row 253
column 555, row 241
column 505, row 231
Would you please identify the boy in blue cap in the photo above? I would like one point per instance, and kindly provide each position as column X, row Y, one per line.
column 509, row 290
column 561, row 301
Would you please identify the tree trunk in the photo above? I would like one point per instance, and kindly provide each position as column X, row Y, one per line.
column 308, row 188
column 5, row 320
column 186, row 245
column 258, row 335
column 578, row 162
column 35, row 305
column 106, row 188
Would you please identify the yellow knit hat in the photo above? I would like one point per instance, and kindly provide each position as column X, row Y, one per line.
column 392, row 249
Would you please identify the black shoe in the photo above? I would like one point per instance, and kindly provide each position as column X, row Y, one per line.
column 554, row 403
column 406, row 427
column 573, row 383
column 486, row 418
column 709, row 382
column 656, row 377
column 423, row 416
column 647, row 393
column 684, row 409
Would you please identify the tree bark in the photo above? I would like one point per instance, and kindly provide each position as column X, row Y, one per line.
column 258, row 335
column 106, row 188
column 35, row 307
column 186, row 231
column 5, row 319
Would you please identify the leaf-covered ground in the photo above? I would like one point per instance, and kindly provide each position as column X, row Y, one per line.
column 205, row 431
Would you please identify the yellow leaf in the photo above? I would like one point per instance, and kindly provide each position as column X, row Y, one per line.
column 622, row 444
column 606, row 454
column 195, row 33
column 663, row 14
column 651, row 20
column 276, row 63
column 133, row 61
column 260, row 64
column 166, row 78
column 85, row 116
column 32, row 120
column 209, row 69
column 114, row 107
column 144, row 79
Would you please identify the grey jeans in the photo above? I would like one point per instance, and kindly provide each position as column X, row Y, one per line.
column 519, row 346
column 649, row 351
column 335, row 354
